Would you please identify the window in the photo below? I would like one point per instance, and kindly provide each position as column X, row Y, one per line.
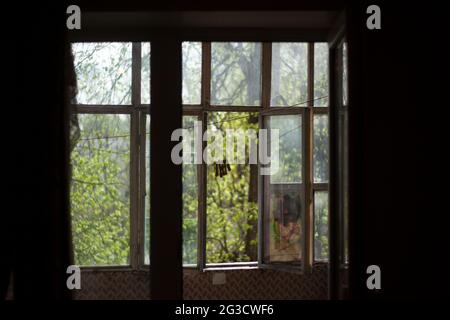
column 236, row 73
column 229, row 209
column 232, row 206
column 282, row 86
column 109, row 192
column 295, row 205
column 101, row 190
column 103, row 73
column 320, row 185
column 284, row 204
column 190, row 180
column 289, row 74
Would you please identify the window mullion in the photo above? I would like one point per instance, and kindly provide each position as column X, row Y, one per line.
column 308, row 134
column 203, row 169
column 134, row 155
column 266, row 74
column 136, row 75
column 142, row 180
column 134, row 189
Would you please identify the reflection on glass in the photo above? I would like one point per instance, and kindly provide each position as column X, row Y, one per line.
column 320, row 151
column 232, row 208
column 284, row 224
column 321, row 225
column 287, row 167
column 103, row 72
column 236, row 73
column 289, row 85
column 320, row 74
column 192, row 72
column 145, row 72
column 344, row 74
column 100, row 190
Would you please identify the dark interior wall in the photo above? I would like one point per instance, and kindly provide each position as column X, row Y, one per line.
column 399, row 134
column 396, row 140
column 240, row 284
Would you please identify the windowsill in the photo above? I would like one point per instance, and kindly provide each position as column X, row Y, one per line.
column 146, row 268
column 209, row 267
column 107, row 268
column 231, row 266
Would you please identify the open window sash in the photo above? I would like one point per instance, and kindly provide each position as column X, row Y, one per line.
column 282, row 192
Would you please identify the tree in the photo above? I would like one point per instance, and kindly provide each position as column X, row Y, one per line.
column 100, row 200
column 100, row 187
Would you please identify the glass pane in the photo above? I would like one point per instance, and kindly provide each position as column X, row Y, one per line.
column 100, row 190
column 192, row 72
column 145, row 72
column 289, row 84
column 321, row 75
column 103, row 72
column 287, row 167
column 232, row 208
column 236, row 73
column 283, row 224
column 147, row 192
column 320, row 152
column 321, row 225
column 190, row 198
column 344, row 74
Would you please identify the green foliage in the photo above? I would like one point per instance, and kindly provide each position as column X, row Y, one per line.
column 100, row 200
column 321, row 225
column 100, row 188
column 103, row 72
column 231, row 214
column 190, row 202
column 320, row 149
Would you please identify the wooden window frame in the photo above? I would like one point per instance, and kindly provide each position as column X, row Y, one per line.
column 138, row 113
column 264, row 109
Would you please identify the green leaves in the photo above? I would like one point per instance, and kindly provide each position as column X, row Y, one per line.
column 100, row 203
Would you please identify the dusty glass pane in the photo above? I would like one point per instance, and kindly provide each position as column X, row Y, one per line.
column 320, row 74
column 147, row 192
column 232, row 199
column 321, row 225
column 289, row 84
column 283, row 224
column 145, row 72
column 320, row 151
column 103, row 72
column 344, row 74
column 236, row 73
column 190, row 197
column 192, row 72
column 100, row 190
column 287, row 167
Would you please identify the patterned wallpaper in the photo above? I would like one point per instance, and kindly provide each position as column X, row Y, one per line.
column 240, row 284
